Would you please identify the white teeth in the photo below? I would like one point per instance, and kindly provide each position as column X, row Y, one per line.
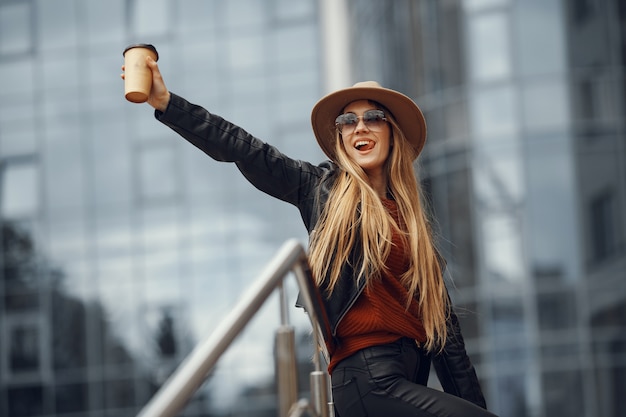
column 361, row 143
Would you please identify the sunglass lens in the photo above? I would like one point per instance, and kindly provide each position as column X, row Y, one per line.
column 373, row 116
column 348, row 119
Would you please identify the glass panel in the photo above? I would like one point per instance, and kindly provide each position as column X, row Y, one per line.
column 119, row 302
column 246, row 53
column 199, row 16
column 290, row 46
column 57, row 69
column 105, row 21
column 59, row 27
column 157, row 173
column 150, row 18
column 477, row 5
column 26, row 401
column 69, row 347
column 64, row 168
column 563, row 392
column 489, row 48
column 20, row 190
column 541, row 47
column 553, row 230
column 495, row 115
column 557, row 310
column 603, row 224
column 24, row 347
column 498, row 179
column 112, row 163
column 71, row 398
column 508, row 323
column 18, row 137
column 15, row 28
column 503, row 249
column 546, row 105
column 248, row 14
column 16, row 78
column 119, row 393
column 511, row 394
column 19, row 268
column 288, row 10
column 99, row 67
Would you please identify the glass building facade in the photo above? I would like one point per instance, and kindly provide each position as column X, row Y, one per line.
column 526, row 172
column 123, row 246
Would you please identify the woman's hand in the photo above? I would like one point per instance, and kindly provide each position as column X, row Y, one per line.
column 159, row 94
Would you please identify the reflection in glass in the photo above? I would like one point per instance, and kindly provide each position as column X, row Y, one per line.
column 603, row 224
column 24, row 348
column 556, row 310
column 511, row 398
column 26, row 401
column 59, row 29
column 563, row 392
column 539, row 30
column 502, row 241
column 478, row 5
column 157, row 174
column 119, row 393
column 489, row 48
column 15, row 28
column 71, row 398
column 545, row 105
column 149, row 18
column 19, row 189
column 494, row 115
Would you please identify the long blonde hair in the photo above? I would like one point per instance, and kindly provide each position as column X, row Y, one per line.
column 354, row 214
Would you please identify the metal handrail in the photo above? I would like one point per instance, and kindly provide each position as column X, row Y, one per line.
column 193, row 371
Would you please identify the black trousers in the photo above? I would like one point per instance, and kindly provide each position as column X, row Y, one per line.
column 380, row 382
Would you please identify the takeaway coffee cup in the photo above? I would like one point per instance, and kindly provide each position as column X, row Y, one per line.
column 137, row 75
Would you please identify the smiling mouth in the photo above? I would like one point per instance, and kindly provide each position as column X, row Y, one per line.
column 364, row 145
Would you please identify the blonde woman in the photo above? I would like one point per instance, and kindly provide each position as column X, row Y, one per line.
column 371, row 248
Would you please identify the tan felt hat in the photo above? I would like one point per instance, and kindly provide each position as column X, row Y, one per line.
column 406, row 113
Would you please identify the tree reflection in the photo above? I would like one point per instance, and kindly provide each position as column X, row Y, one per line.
column 55, row 342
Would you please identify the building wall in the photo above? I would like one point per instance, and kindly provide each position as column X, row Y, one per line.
column 123, row 245
column 525, row 169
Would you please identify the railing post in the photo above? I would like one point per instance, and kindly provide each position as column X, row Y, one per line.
column 286, row 367
column 286, row 370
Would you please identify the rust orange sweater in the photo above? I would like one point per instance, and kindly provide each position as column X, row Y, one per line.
column 380, row 315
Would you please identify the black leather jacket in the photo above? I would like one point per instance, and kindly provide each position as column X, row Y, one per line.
column 306, row 186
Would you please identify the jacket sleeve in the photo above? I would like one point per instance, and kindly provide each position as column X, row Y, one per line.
column 454, row 368
column 261, row 164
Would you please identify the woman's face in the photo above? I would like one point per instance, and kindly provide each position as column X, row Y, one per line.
column 367, row 141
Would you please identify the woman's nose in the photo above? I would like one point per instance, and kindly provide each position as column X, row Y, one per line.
column 360, row 125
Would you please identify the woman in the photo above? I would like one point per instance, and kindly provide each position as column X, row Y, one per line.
column 371, row 250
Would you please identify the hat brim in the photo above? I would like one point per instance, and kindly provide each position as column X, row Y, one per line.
column 407, row 114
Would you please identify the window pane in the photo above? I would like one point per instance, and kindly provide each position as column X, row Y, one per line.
column 546, row 104
column 541, row 45
column 157, row 175
column 26, row 401
column 15, row 29
column 58, row 28
column 494, row 114
column 20, row 190
column 105, row 20
column 489, row 50
column 149, row 17
column 477, row 5
column 24, row 348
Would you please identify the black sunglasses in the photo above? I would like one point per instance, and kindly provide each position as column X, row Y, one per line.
column 373, row 119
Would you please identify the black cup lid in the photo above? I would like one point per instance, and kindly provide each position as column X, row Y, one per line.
column 142, row 45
